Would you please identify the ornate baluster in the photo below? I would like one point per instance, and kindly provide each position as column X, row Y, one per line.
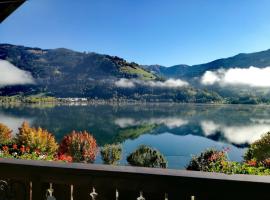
column 141, row 196
column 93, row 194
column 4, row 189
column 71, row 192
column 49, row 193
column 166, row 196
column 116, row 195
column 11, row 189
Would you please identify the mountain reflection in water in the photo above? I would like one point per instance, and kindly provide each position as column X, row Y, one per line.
column 177, row 130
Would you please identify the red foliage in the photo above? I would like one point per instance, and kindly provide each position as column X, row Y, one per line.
column 64, row 157
column 37, row 151
column 5, row 148
column 252, row 163
column 217, row 156
column 81, row 146
column 15, row 146
column 22, row 149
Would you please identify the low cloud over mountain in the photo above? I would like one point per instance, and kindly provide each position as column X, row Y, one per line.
column 170, row 83
column 67, row 73
column 11, row 75
column 252, row 77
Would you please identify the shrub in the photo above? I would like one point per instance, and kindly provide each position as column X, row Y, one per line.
column 37, row 139
column 212, row 160
column 208, row 160
column 266, row 163
column 35, row 156
column 5, row 134
column 111, row 153
column 22, row 152
column 241, row 168
column 146, row 156
column 81, row 146
column 259, row 150
column 64, row 158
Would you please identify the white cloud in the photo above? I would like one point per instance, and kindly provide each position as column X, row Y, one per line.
column 11, row 75
column 125, row 122
column 170, row 83
column 245, row 134
column 236, row 134
column 170, row 122
column 209, row 127
column 210, row 78
column 125, row 83
column 252, row 77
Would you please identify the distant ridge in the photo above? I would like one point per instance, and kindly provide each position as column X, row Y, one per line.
column 64, row 73
column 243, row 60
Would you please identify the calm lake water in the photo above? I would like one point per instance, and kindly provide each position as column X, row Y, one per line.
column 178, row 131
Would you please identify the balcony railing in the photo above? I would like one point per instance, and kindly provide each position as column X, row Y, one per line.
column 38, row 180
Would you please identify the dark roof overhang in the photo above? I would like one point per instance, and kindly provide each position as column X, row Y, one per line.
column 7, row 7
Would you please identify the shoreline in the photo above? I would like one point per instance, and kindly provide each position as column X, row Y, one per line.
column 117, row 103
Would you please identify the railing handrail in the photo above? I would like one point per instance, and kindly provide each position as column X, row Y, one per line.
column 98, row 168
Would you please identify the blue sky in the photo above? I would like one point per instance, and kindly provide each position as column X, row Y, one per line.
column 165, row 32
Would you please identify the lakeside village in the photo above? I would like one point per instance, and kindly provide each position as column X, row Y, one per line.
column 74, row 100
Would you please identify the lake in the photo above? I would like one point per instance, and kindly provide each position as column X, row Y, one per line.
column 178, row 130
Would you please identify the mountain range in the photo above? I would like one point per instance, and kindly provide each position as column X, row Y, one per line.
column 66, row 73
column 242, row 60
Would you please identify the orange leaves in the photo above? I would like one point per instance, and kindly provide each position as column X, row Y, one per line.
column 81, row 146
column 36, row 143
column 37, row 138
column 5, row 134
column 64, row 157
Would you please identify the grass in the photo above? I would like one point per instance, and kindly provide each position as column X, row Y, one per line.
column 38, row 98
column 143, row 74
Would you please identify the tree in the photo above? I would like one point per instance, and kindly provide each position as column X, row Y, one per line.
column 5, row 134
column 111, row 153
column 146, row 156
column 81, row 146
